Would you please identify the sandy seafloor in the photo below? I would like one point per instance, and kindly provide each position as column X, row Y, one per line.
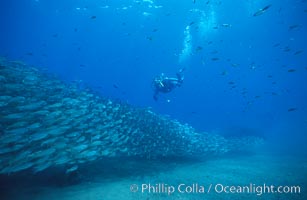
column 111, row 180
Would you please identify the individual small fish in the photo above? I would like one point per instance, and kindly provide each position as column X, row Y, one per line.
column 80, row 148
column 48, row 141
column 199, row 48
column 231, row 82
column 38, row 136
column 89, row 153
column 55, row 35
column 276, row 45
column 287, row 49
column 261, row 11
column 253, row 67
column 149, row 38
column 293, row 27
column 19, row 124
column 227, row 25
column 81, row 139
column 115, row 86
column 147, row 14
column 17, row 100
column 214, row 59
column 40, row 113
column 21, row 167
column 93, row 17
column 73, row 134
column 292, row 109
column 10, row 150
column 62, row 160
column 192, row 23
column 155, row 30
column 291, row 70
column 298, row 52
column 71, row 169
column 33, row 106
column 18, row 131
column 14, row 116
column 42, row 167
column 45, row 153
column 96, row 143
column 224, row 73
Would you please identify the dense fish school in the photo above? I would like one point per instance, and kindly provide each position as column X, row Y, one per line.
column 46, row 123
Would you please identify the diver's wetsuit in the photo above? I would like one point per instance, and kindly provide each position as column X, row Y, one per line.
column 164, row 84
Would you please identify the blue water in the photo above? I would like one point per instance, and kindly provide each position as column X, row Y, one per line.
column 117, row 48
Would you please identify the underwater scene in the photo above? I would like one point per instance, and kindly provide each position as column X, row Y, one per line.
column 153, row 99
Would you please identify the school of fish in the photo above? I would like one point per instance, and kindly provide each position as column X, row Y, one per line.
column 46, row 123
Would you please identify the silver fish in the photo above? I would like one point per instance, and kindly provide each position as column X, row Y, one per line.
column 62, row 125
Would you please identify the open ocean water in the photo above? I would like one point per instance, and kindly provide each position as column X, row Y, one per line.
column 153, row 99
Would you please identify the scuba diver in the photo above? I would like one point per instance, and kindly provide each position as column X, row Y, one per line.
column 165, row 84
